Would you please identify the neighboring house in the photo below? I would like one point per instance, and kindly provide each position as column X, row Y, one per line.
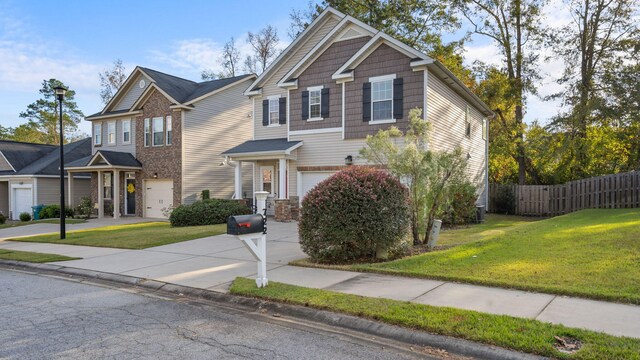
column 30, row 175
column 337, row 82
column 157, row 143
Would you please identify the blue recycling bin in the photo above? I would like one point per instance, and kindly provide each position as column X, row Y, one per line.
column 36, row 211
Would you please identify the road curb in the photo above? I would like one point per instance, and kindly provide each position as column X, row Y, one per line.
column 366, row 326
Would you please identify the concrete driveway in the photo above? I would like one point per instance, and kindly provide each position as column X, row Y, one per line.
column 41, row 228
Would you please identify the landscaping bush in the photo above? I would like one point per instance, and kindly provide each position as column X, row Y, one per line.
column 205, row 195
column 3, row 218
column 461, row 206
column 505, row 201
column 53, row 212
column 25, row 216
column 352, row 215
column 84, row 209
column 207, row 212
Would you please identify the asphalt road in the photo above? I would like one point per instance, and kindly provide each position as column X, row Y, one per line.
column 43, row 317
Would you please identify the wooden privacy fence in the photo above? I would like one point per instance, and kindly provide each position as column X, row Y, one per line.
column 602, row 192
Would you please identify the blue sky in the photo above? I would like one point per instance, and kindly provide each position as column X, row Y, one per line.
column 74, row 40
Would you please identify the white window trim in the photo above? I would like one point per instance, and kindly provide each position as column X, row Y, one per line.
column 105, row 186
column 115, row 133
column 379, row 79
column 277, row 98
column 310, row 89
column 129, row 122
column 153, row 133
column 484, row 128
column 97, row 127
column 147, row 121
column 168, row 122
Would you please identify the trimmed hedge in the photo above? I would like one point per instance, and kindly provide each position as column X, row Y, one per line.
column 25, row 216
column 3, row 218
column 207, row 212
column 352, row 215
column 53, row 212
column 462, row 206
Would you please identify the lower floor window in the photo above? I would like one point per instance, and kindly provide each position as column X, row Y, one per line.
column 107, row 183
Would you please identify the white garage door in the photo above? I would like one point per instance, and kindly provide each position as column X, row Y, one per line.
column 309, row 179
column 158, row 195
column 22, row 202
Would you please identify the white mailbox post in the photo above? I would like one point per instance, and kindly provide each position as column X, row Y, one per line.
column 252, row 231
column 261, row 201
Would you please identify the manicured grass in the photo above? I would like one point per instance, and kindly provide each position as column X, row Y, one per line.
column 514, row 333
column 591, row 253
column 33, row 257
column 493, row 226
column 11, row 223
column 131, row 236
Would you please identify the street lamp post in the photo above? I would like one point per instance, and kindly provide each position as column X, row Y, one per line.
column 60, row 91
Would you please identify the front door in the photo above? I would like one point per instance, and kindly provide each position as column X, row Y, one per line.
column 268, row 184
column 130, row 188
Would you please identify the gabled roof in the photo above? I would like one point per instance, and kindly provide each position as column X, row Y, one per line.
column 110, row 158
column 256, row 85
column 20, row 154
column 264, row 146
column 178, row 90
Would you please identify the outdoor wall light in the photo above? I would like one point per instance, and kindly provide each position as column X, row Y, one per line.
column 155, row 175
column 348, row 160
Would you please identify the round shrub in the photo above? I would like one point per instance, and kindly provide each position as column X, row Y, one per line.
column 3, row 218
column 207, row 212
column 25, row 216
column 353, row 214
column 505, row 201
column 461, row 208
column 53, row 212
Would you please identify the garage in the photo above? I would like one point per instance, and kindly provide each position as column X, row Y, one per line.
column 309, row 179
column 22, row 201
column 158, row 195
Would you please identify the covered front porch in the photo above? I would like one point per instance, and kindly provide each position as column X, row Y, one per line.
column 113, row 182
column 273, row 161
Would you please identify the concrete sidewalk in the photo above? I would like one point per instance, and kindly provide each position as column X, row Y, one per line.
column 214, row 262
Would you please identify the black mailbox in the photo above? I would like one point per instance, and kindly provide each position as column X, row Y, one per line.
column 246, row 224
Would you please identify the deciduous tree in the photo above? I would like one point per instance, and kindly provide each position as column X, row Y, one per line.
column 111, row 80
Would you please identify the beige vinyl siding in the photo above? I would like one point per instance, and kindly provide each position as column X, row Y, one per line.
column 4, row 165
column 270, row 88
column 216, row 124
column 49, row 190
column 132, row 94
column 4, row 198
column 119, row 145
column 446, row 110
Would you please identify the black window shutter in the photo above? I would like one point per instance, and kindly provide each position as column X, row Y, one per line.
column 265, row 112
column 282, row 109
column 366, row 102
column 305, row 105
column 324, row 103
column 397, row 98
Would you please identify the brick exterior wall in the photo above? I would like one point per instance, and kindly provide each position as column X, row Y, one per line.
column 383, row 61
column 317, row 74
column 165, row 160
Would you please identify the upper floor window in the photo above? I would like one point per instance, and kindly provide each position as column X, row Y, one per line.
column 97, row 134
column 467, row 123
column 126, row 131
column 169, row 130
column 315, row 100
column 157, row 127
column 147, row 132
column 484, row 129
column 274, row 111
column 111, row 133
column 382, row 98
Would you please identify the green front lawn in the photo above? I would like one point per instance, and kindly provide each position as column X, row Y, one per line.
column 12, row 223
column 509, row 332
column 591, row 253
column 131, row 236
column 493, row 226
column 33, row 257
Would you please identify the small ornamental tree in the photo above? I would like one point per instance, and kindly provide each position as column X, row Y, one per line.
column 353, row 215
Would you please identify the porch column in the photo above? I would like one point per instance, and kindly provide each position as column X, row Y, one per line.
column 282, row 179
column 100, row 195
column 116, row 195
column 70, row 188
column 238, row 181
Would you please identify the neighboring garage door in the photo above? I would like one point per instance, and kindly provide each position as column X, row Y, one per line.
column 158, row 195
column 22, row 201
column 309, row 179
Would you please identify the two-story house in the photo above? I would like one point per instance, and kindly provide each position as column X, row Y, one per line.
column 157, row 143
column 337, row 82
